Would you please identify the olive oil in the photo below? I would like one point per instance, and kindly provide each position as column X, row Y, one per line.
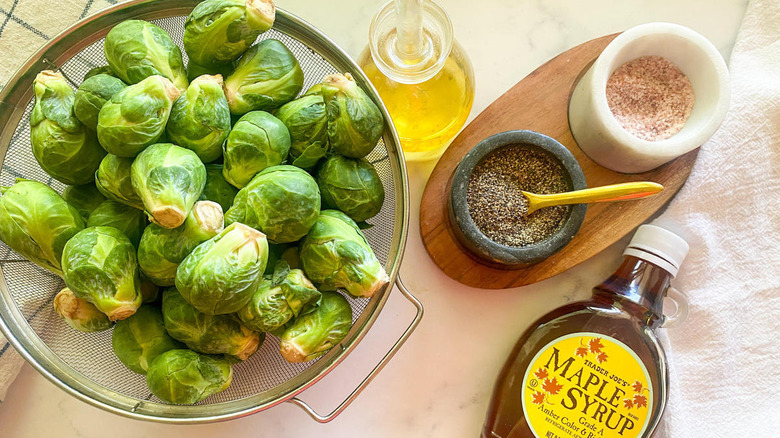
column 595, row 368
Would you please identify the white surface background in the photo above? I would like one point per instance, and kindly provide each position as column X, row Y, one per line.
column 440, row 382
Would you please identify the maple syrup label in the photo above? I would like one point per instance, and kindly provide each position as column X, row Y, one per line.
column 587, row 385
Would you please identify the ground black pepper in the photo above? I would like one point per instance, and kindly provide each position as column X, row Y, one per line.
column 497, row 205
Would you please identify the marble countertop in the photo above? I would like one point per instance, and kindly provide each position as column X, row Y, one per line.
column 440, row 382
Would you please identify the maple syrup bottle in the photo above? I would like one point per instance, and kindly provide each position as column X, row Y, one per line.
column 595, row 368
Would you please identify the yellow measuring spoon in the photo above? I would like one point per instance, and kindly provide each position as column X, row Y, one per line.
column 613, row 192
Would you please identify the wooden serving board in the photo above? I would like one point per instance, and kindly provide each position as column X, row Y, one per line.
column 540, row 103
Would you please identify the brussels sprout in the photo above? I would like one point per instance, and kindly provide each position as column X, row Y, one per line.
column 135, row 117
column 80, row 314
column 219, row 31
column 186, row 377
column 124, row 218
column 36, row 222
column 149, row 291
column 162, row 249
column 92, row 94
column 194, row 70
column 101, row 70
column 221, row 274
column 100, row 267
column 313, row 334
column 63, row 147
column 308, row 125
column 352, row 186
column 139, row 339
column 200, row 119
column 113, row 181
column 84, row 198
column 217, row 188
column 266, row 77
column 278, row 252
column 355, row 123
column 335, row 254
column 257, row 141
column 281, row 201
column 278, row 299
column 169, row 179
column 137, row 49
column 209, row 334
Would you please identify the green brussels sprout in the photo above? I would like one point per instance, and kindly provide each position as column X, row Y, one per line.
column 335, row 254
column 200, row 118
column 139, row 339
column 352, row 186
column 313, row 334
column 149, row 291
column 219, row 31
column 266, row 77
column 208, row 334
column 36, row 222
column 162, row 249
column 278, row 300
column 137, row 49
column 257, row 141
column 101, row 70
column 355, row 123
column 124, row 218
column 63, row 147
column 194, row 70
column 282, row 252
column 281, row 201
column 220, row 275
column 169, row 179
column 185, row 377
column 84, row 198
column 100, row 267
column 80, row 314
column 113, row 181
column 217, row 188
column 308, row 125
column 135, row 117
column 92, row 94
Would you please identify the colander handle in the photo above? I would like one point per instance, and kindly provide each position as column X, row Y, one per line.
column 352, row 396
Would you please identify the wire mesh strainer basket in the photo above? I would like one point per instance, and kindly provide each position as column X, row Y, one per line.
column 83, row 363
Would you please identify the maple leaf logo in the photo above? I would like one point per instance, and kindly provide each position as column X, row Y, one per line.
column 538, row 398
column 581, row 352
column 541, row 373
column 602, row 357
column 628, row 403
column 640, row 401
column 551, row 386
column 595, row 345
column 637, row 386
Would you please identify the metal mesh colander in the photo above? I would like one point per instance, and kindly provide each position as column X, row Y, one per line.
column 83, row 363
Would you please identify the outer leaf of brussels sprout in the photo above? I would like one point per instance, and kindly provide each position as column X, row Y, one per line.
column 219, row 31
column 80, row 314
column 102, row 70
column 92, row 94
column 100, row 267
column 352, row 186
column 135, row 117
column 217, row 188
column 169, row 179
column 36, row 222
column 84, row 198
column 257, row 141
column 307, row 122
column 149, row 291
column 355, row 123
column 162, row 249
column 221, row 274
column 335, row 254
column 313, row 334
column 200, row 118
column 139, row 339
column 185, row 377
column 113, row 181
column 209, row 334
column 63, row 147
column 266, row 77
column 124, row 218
column 281, row 201
column 137, row 49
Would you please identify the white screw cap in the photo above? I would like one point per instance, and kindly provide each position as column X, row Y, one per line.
column 658, row 246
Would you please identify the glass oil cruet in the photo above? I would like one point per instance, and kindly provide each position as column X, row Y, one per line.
column 422, row 74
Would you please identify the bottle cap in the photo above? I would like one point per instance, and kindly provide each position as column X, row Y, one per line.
column 658, row 246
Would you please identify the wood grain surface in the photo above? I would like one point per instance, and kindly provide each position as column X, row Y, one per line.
column 540, row 103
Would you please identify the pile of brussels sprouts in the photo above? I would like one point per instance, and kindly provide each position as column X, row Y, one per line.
column 240, row 199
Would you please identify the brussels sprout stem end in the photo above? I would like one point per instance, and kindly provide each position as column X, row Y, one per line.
column 168, row 216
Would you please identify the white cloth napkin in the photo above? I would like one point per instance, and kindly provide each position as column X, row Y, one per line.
column 725, row 359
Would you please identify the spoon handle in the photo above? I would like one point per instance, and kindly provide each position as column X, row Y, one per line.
column 614, row 192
